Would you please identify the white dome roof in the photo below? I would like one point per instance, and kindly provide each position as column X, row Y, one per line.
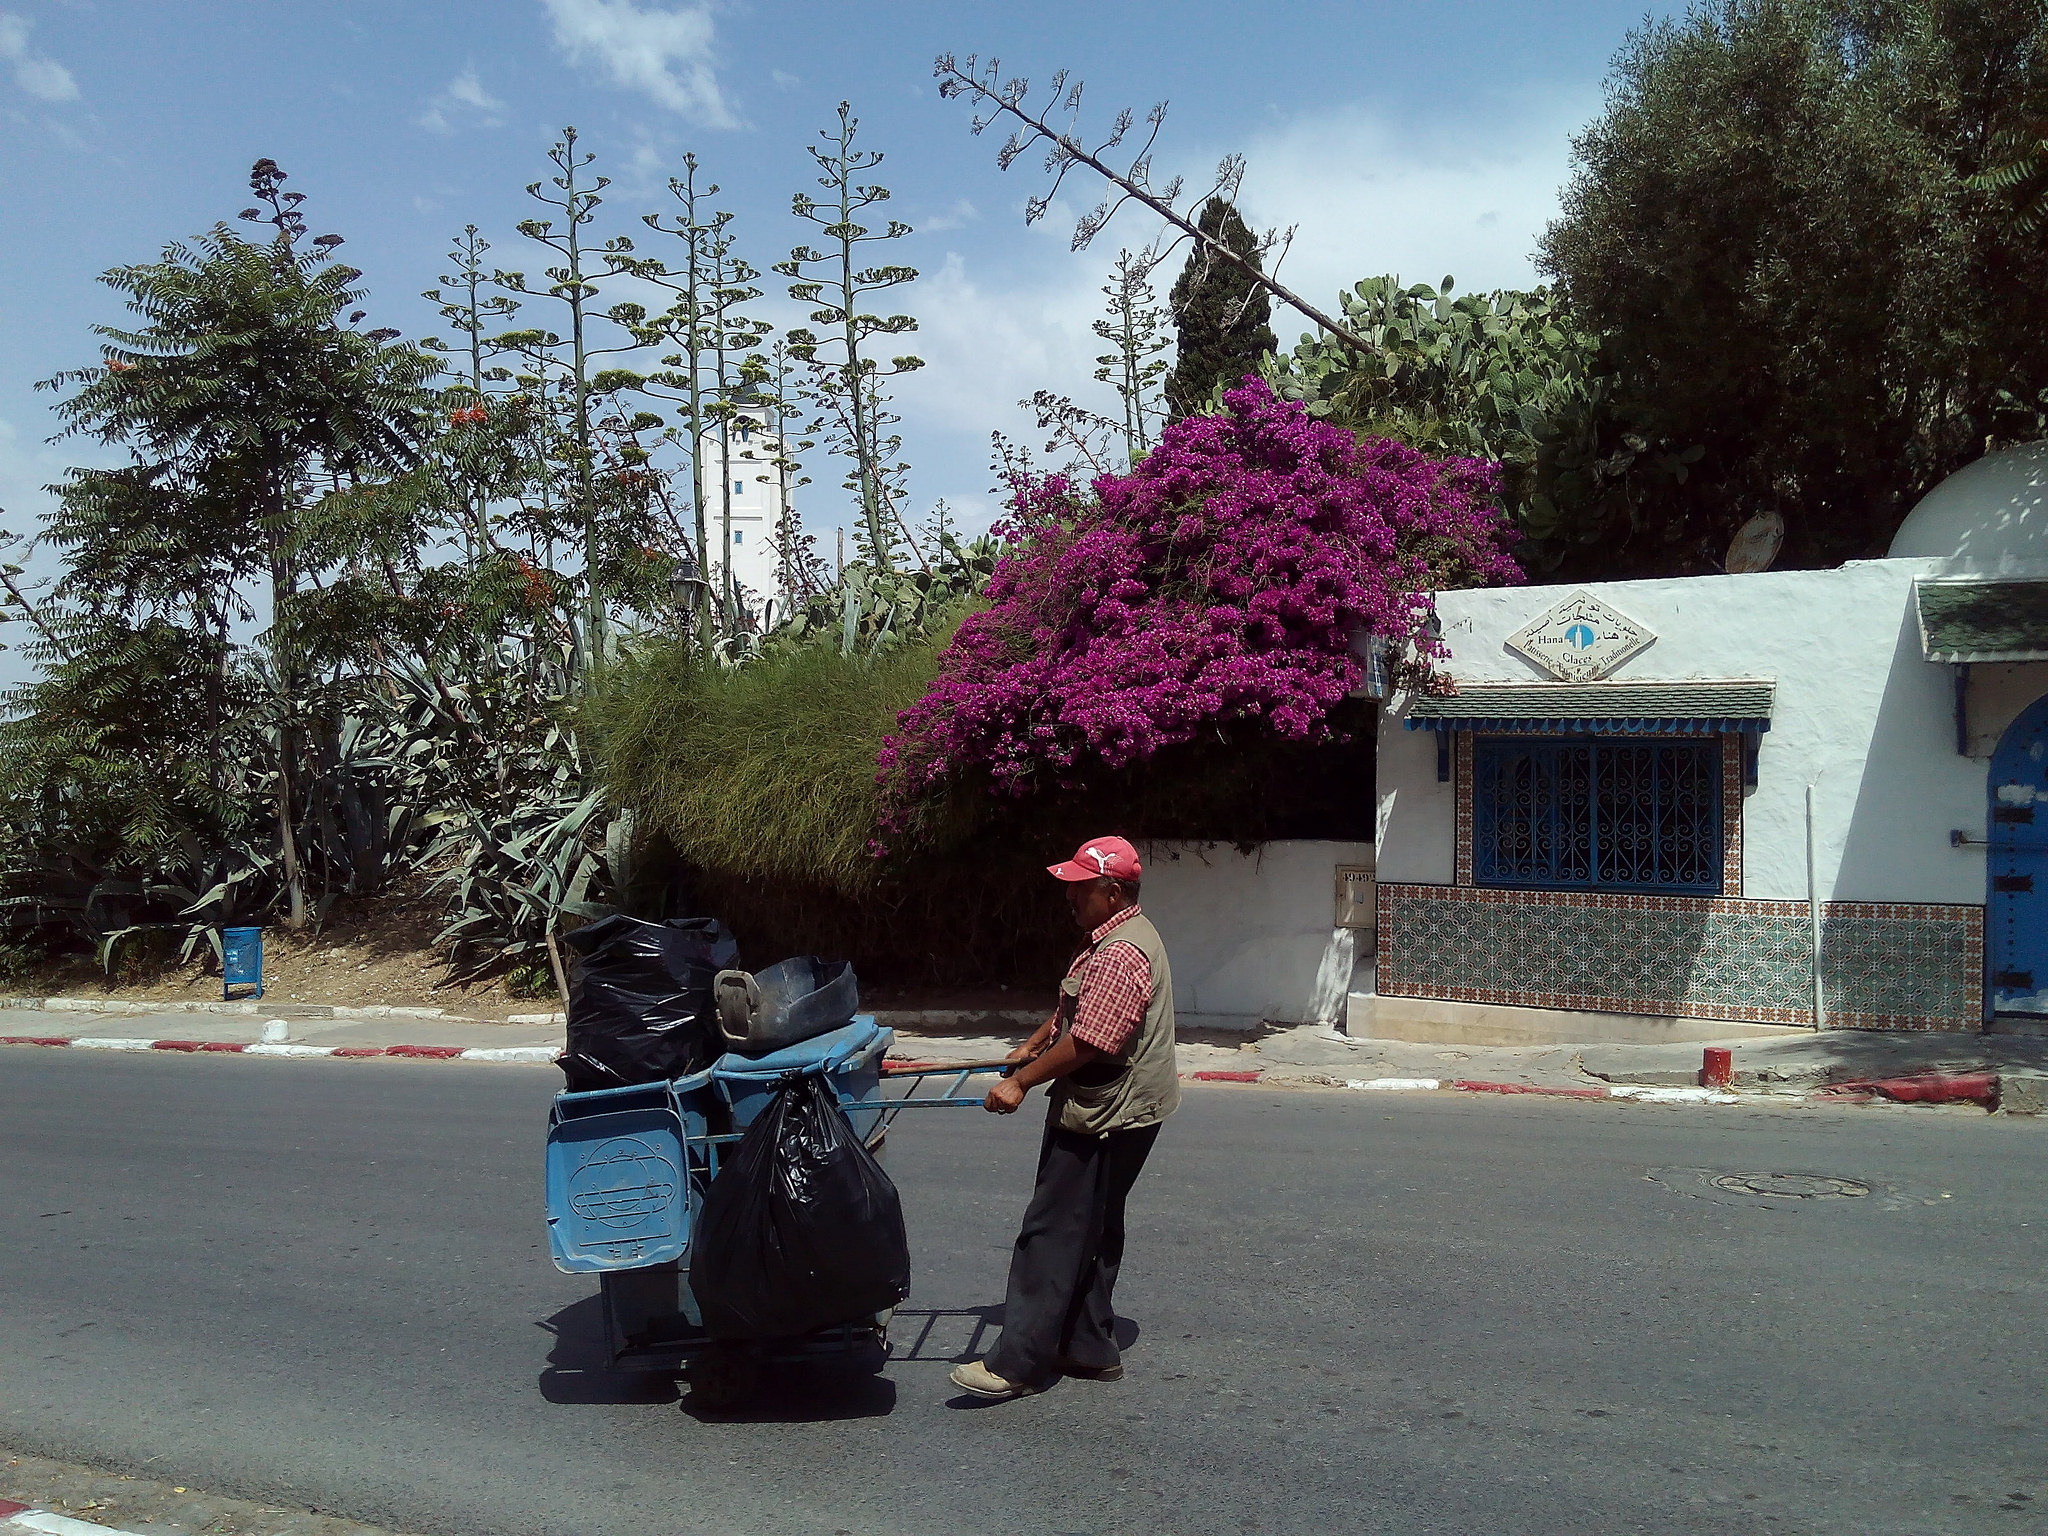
column 1990, row 515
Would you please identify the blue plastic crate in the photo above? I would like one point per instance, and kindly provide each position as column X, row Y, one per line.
column 618, row 1180
column 850, row 1058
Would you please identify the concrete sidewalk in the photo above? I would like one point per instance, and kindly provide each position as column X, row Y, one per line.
column 1829, row 1056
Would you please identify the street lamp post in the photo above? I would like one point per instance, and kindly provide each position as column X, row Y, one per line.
column 688, row 588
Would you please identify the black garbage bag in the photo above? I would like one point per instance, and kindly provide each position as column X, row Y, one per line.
column 801, row 1229
column 640, row 1006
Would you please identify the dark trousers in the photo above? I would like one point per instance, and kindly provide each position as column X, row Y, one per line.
column 1063, row 1271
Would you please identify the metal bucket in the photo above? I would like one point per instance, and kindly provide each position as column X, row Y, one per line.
column 798, row 999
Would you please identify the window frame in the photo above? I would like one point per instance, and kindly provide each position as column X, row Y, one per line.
column 1710, row 837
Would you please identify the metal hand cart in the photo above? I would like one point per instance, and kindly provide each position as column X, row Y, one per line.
column 628, row 1168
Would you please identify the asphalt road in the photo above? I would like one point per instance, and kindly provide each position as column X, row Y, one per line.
column 325, row 1284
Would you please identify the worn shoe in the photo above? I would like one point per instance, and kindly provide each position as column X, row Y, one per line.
column 1082, row 1372
column 977, row 1378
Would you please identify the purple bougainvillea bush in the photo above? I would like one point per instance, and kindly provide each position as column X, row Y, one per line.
column 1216, row 586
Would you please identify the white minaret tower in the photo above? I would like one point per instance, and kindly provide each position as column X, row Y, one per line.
column 749, row 477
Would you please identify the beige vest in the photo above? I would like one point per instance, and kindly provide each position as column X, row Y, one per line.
column 1140, row 1085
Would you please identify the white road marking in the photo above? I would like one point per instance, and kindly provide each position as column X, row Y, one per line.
column 41, row 1520
column 1644, row 1095
column 1396, row 1084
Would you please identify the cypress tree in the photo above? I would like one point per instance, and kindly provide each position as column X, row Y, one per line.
column 1224, row 317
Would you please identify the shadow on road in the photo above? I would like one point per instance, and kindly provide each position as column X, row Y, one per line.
column 953, row 1336
column 578, row 1369
column 943, row 1336
column 804, row 1394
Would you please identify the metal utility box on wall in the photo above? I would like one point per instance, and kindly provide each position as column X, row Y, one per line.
column 1357, row 896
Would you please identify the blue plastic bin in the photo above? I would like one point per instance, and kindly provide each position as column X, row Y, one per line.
column 628, row 1167
column 617, row 1180
column 850, row 1057
column 241, row 959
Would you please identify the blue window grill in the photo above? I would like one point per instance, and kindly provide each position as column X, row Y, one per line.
column 1597, row 815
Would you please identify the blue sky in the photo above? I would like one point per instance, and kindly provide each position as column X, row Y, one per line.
column 1418, row 138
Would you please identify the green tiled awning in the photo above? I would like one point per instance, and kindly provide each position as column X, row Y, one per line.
column 1706, row 706
column 1983, row 620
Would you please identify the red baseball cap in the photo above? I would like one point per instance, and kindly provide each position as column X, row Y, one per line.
column 1100, row 856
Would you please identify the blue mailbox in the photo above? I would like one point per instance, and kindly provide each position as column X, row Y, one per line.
column 241, row 960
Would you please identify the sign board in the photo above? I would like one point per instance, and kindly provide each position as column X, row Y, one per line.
column 1580, row 639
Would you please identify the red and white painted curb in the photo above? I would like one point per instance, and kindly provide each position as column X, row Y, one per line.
column 20, row 1517
column 501, row 1053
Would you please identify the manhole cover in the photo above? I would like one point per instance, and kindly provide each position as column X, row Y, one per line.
column 1791, row 1186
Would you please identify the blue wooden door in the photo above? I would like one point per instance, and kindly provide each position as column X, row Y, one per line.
column 2016, row 915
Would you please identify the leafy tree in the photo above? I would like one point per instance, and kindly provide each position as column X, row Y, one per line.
column 847, row 379
column 1778, row 227
column 690, row 324
column 1508, row 376
column 1223, row 316
column 734, row 381
column 2020, row 173
column 1134, row 368
column 799, row 568
column 1006, row 99
column 244, row 401
column 578, row 282
column 480, row 458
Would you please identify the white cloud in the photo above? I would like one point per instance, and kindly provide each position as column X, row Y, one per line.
column 666, row 54
column 962, row 212
column 40, row 77
column 463, row 101
column 1371, row 196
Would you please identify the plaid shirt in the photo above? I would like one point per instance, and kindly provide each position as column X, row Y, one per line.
column 1116, row 988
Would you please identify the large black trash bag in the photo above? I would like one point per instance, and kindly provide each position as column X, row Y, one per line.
column 640, row 1000
column 801, row 1229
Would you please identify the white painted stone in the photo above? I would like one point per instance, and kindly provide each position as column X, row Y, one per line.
column 100, row 1044
column 288, row 1050
column 45, row 1523
column 1644, row 1095
column 1395, row 1084
column 511, row 1053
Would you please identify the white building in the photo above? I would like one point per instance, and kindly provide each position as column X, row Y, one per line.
column 1642, row 793
column 751, row 545
column 1621, row 823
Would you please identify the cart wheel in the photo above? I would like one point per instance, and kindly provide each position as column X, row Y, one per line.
column 725, row 1376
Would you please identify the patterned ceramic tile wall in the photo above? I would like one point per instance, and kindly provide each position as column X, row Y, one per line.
column 1891, row 965
column 1885, row 966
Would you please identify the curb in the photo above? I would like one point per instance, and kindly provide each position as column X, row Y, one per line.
column 250, row 1009
column 1468, row 1085
column 20, row 1517
column 499, row 1053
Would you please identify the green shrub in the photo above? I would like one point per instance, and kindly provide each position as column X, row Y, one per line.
column 766, row 771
